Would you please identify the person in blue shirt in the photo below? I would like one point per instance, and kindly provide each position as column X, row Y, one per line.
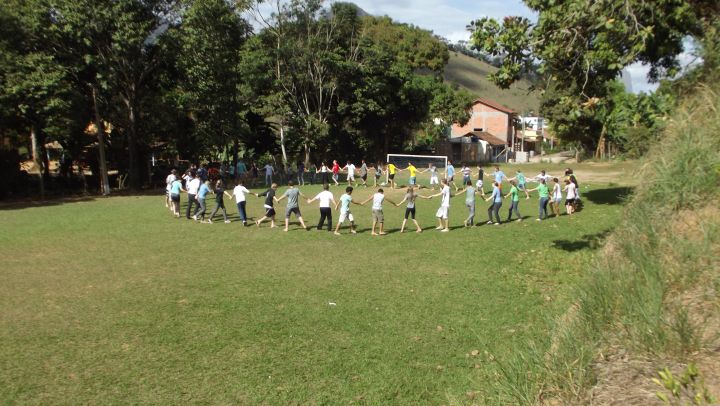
column 450, row 174
column 175, row 189
column 202, row 194
column 496, row 198
column 499, row 176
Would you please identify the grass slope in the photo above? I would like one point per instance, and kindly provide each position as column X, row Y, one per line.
column 114, row 301
column 471, row 74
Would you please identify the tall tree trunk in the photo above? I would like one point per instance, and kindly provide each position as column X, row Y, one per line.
column 306, row 147
column 37, row 159
column 235, row 157
column 105, row 182
column 282, row 145
column 133, row 164
column 600, row 150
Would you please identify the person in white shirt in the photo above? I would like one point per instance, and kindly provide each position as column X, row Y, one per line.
column 192, row 189
column 556, row 198
column 377, row 211
column 443, row 211
column 323, row 170
column 350, row 168
column 324, row 199
column 543, row 176
column 168, row 185
column 239, row 192
column 269, row 171
column 570, row 197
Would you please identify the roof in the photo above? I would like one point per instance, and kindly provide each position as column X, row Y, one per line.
column 494, row 105
column 485, row 136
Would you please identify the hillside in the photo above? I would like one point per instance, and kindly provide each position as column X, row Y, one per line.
column 471, row 74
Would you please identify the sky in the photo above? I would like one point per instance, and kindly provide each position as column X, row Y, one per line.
column 448, row 19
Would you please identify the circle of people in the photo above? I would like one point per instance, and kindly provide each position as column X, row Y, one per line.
column 198, row 190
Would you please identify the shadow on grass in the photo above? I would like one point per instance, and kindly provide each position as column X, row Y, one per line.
column 614, row 195
column 587, row 241
column 57, row 201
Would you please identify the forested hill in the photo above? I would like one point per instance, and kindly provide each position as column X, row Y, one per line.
column 471, row 74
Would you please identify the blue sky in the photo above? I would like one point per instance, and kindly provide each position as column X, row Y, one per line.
column 448, row 18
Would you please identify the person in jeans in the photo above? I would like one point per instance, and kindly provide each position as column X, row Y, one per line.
column 240, row 193
column 192, row 184
column 269, row 171
column 301, row 173
column 494, row 209
column 514, row 201
column 469, row 192
column 324, row 199
column 201, row 195
column 219, row 192
column 544, row 194
column 293, row 205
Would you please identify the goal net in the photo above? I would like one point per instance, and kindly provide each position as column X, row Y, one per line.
column 421, row 162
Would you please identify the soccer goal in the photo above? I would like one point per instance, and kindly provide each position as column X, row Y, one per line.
column 421, row 162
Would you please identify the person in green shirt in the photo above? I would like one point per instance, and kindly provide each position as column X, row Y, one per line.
column 544, row 193
column 514, row 201
column 521, row 183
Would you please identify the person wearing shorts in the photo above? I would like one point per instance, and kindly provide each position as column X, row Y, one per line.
column 443, row 211
column 410, row 197
column 570, row 197
column 434, row 180
column 480, row 181
column 412, row 170
column 168, row 182
column 377, row 211
column 175, row 189
column 293, row 205
column 378, row 173
column 269, row 202
column 345, row 213
column 391, row 168
column 521, row 183
column 350, row 168
column 324, row 198
column 556, row 197
column 469, row 192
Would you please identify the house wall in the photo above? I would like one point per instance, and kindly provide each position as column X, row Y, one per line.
column 493, row 121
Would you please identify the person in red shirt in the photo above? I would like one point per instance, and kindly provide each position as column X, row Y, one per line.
column 335, row 172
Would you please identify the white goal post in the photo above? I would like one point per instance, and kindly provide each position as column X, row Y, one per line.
column 421, row 162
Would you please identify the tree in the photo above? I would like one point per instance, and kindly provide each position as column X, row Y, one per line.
column 211, row 37
column 583, row 45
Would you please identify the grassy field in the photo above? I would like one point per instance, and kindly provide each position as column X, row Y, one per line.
column 471, row 74
column 114, row 301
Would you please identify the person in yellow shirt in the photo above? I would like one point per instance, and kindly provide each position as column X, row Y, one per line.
column 413, row 171
column 391, row 168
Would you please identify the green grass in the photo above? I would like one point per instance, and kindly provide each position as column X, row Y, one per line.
column 114, row 301
column 472, row 75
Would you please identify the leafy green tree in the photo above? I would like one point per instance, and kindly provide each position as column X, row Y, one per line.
column 211, row 36
column 582, row 45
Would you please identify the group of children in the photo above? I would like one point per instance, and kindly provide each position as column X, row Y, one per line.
column 198, row 190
